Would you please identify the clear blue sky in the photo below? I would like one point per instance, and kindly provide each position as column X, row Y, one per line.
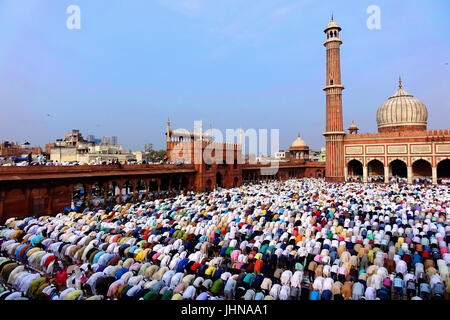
column 256, row 64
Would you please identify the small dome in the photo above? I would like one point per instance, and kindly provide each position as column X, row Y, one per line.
column 353, row 126
column 299, row 142
column 402, row 110
column 332, row 24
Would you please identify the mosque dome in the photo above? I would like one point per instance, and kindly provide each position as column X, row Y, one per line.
column 353, row 126
column 298, row 143
column 332, row 24
column 402, row 112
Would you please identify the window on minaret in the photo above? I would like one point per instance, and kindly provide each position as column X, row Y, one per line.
column 331, row 82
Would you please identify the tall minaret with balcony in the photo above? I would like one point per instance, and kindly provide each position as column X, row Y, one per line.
column 334, row 134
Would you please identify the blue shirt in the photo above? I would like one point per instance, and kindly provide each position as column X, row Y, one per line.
column 230, row 285
column 398, row 282
column 203, row 296
column 315, row 295
column 424, row 287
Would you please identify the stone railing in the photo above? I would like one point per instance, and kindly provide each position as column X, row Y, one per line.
column 412, row 134
column 15, row 172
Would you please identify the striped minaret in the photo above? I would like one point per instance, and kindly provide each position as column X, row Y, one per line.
column 334, row 135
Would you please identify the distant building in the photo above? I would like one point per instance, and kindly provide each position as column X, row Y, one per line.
column 280, row 155
column 73, row 139
column 13, row 149
column 109, row 141
column 314, row 155
column 75, row 148
column 138, row 156
column 323, row 154
column 101, row 153
column 92, row 138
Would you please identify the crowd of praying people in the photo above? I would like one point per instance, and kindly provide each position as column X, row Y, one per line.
column 10, row 162
column 379, row 179
column 300, row 239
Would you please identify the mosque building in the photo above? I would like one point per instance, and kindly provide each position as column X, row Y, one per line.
column 403, row 147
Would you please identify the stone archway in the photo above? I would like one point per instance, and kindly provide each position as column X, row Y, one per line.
column 375, row 171
column 96, row 195
column 421, row 168
column 397, row 168
column 354, row 168
column 79, row 195
column 184, row 183
column 219, row 180
column 141, row 190
column 127, row 192
column 375, row 168
column 208, row 185
column 112, row 193
column 443, row 169
column 153, row 188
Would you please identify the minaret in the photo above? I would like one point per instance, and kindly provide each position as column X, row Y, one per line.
column 168, row 130
column 334, row 135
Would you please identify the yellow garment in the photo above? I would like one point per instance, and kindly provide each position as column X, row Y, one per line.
column 16, row 234
column 210, row 271
column 142, row 254
column 370, row 255
column 137, row 251
column 73, row 295
column 33, row 250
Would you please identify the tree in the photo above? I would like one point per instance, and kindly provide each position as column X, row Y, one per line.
column 155, row 155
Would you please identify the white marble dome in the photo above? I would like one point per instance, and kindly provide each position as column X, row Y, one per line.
column 402, row 109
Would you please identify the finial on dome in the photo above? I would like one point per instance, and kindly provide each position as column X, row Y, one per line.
column 332, row 17
column 399, row 82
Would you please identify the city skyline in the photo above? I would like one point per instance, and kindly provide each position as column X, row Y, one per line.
column 232, row 65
